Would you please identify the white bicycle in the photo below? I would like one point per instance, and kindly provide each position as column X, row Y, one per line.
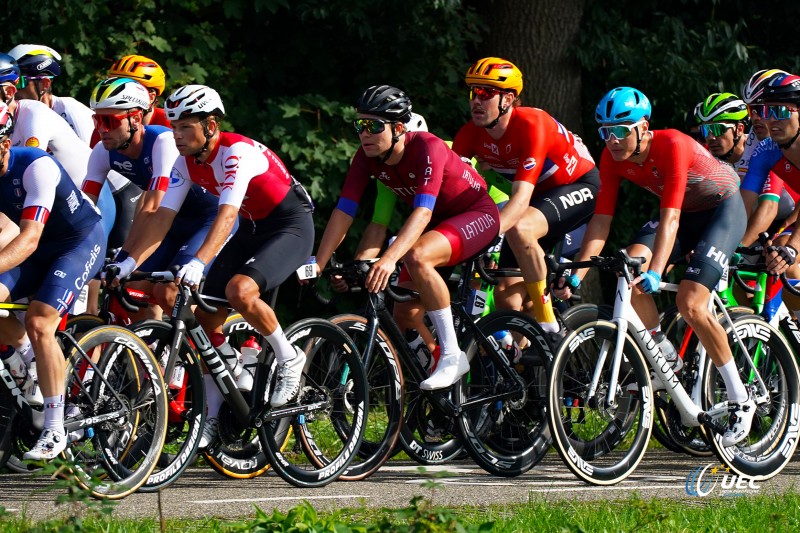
column 601, row 398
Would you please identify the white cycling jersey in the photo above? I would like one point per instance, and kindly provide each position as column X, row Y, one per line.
column 77, row 115
column 38, row 126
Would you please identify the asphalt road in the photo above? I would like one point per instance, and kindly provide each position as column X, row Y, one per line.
column 202, row 493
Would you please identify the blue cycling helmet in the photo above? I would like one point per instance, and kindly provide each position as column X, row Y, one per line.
column 623, row 104
column 9, row 69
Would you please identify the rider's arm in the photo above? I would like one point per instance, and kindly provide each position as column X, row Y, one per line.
column 147, row 232
column 593, row 240
column 220, row 230
column 334, row 234
column 409, row 234
column 521, row 192
column 760, row 220
column 22, row 246
column 96, row 172
column 371, row 242
column 665, row 238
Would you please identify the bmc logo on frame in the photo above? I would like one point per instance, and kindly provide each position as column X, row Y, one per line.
column 704, row 480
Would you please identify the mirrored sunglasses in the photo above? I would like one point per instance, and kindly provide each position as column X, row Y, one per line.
column 111, row 122
column 765, row 112
column 371, row 125
column 619, row 131
column 715, row 129
column 483, row 93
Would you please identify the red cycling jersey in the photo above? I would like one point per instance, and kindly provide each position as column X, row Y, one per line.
column 678, row 170
column 242, row 172
column 429, row 175
column 535, row 148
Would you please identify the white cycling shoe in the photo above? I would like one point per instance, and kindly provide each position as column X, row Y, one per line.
column 447, row 372
column 740, row 420
column 287, row 383
column 50, row 444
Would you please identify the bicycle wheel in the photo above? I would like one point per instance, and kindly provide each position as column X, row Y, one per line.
column 506, row 437
column 237, row 451
column 578, row 315
column 601, row 438
column 773, row 436
column 333, row 395
column 186, row 403
column 385, row 413
column 127, row 403
column 8, row 415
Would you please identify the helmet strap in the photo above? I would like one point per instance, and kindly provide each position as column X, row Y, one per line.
column 131, row 132
column 789, row 144
column 208, row 135
column 638, row 149
column 386, row 155
column 736, row 139
column 502, row 111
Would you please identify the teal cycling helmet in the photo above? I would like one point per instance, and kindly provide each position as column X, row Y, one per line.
column 623, row 104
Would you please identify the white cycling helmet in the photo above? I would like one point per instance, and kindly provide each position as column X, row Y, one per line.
column 119, row 93
column 193, row 100
column 416, row 123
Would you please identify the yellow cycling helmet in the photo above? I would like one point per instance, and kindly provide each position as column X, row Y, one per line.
column 495, row 72
column 142, row 69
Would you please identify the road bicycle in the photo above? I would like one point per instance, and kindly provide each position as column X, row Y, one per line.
column 328, row 417
column 118, row 416
column 600, row 395
column 496, row 410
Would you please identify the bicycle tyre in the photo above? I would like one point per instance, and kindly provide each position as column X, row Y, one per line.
column 186, row 405
column 506, row 438
column 774, row 434
column 601, row 446
column 334, row 379
column 385, row 413
column 122, row 452
column 237, row 452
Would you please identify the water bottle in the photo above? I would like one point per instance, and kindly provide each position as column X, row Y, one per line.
column 250, row 351
column 177, row 377
column 228, row 354
column 14, row 363
column 506, row 342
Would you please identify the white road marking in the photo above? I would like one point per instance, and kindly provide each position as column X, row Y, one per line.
column 281, row 499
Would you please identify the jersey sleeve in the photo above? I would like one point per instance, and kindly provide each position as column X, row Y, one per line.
column 772, row 189
column 242, row 162
column 97, row 170
column 354, row 184
column 762, row 160
column 164, row 155
column 535, row 143
column 40, row 189
column 462, row 144
column 179, row 186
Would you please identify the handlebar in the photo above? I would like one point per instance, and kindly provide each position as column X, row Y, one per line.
column 620, row 263
column 164, row 276
column 355, row 275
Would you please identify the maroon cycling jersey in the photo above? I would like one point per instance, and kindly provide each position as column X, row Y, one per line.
column 678, row 170
column 429, row 175
column 242, row 172
column 535, row 148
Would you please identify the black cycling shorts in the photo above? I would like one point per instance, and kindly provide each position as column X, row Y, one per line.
column 267, row 250
column 565, row 207
column 127, row 200
column 711, row 235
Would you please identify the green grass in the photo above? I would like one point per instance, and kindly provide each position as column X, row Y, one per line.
column 764, row 512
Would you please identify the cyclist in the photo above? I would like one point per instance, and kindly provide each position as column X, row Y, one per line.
column 453, row 216
column 752, row 93
column 60, row 246
column 701, row 211
column 724, row 123
column 151, row 75
column 779, row 111
column 554, row 179
column 275, row 236
column 38, row 65
column 144, row 155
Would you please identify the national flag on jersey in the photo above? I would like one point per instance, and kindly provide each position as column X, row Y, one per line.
column 65, row 302
column 160, row 183
column 37, row 213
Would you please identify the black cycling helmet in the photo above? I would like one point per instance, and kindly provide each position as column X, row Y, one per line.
column 386, row 102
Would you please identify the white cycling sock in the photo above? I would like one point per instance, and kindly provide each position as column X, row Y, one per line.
column 280, row 344
column 443, row 322
column 730, row 374
column 214, row 397
column 25, row 351
column 54, row 413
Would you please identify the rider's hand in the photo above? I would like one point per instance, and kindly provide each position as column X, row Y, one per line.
column 310, row 280
column 779, row 258
column 379, row 275
column 339, row 284
column 565, row 286
column 125, row 267
column 191, row 273
column 648, row 281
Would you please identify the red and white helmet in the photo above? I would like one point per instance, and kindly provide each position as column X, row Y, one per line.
column 6, row 121
column 193, row 100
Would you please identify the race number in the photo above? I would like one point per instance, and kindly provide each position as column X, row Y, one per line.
column 309, row 269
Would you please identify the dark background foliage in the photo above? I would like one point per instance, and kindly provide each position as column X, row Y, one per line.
column 289, row 71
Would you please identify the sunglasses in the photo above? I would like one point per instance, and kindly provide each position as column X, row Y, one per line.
column 111, row 122
column 765, row 112
column 619, row 132
column 716, row 129
column 483, row 93
column 372, row 125
column 22, row 82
